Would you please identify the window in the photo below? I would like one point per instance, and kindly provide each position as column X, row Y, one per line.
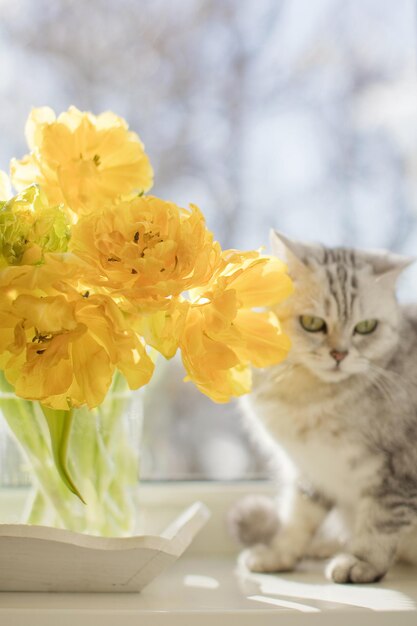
column 287, row 114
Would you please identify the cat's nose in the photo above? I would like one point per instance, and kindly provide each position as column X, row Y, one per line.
column 338, row 355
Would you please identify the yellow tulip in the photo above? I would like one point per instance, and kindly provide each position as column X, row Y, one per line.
column 260, row 281
column 63, row 349
column 223, row 336
column 146, row 249
column 82, row 160
column 211, row 365
column 162, row 329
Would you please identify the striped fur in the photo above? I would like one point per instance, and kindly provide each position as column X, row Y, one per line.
column 348, row 429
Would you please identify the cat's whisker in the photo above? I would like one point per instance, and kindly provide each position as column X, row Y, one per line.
column 391, row 375
column 284, row 372
column 394, row 382
column 381, row 385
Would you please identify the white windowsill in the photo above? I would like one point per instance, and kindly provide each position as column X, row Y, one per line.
column 204, row 587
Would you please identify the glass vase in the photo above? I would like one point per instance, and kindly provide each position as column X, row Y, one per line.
column 103, row 460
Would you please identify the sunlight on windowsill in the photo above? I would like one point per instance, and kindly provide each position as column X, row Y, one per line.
column 263, row 588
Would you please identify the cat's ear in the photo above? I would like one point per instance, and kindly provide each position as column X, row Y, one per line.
column 294, row 253
column 388, row 266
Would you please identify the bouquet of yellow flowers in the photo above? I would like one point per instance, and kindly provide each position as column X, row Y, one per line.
column 96, row 276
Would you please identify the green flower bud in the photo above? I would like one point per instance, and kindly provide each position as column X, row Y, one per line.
column 29, row 228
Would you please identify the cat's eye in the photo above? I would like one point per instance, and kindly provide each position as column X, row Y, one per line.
column 313, row 324
column 366, row 327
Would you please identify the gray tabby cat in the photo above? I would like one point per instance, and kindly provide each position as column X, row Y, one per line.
column 343, row 407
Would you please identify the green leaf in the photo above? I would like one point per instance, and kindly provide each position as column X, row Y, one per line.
column 59, row 424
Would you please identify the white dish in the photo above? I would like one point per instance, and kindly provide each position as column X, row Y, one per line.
column 39, row 558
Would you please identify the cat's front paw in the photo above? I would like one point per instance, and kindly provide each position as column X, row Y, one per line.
column 262, row 558
column 347, row 568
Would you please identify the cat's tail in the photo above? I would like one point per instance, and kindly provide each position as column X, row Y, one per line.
column 253, row 519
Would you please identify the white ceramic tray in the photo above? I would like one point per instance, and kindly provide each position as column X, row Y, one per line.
column 38, row 558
